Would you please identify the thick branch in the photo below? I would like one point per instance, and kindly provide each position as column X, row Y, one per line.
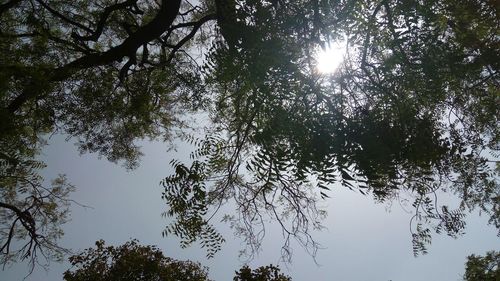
column 152, row 30
column 27, row 221
column 196, row 26
column 143, row 35
column 25, row 216
column 227, row 21
column 94, row 36
column 13, row 208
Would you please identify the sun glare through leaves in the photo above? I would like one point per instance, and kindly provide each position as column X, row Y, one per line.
column 330, row 57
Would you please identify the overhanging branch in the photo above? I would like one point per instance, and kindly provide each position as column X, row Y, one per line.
column 94, row 35
column 144, row 34
column 196, row 26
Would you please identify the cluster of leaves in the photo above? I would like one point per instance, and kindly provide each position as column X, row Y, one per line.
column 91, row 71
column 106, row 73
column 185, row 195
column 414, row 110
column 31, row 212
column 210, row 182
column 258, row 83
column 263, row 273
column 131, row 261
column 483, row 268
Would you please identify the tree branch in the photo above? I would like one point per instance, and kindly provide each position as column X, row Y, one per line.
column 26, row 220
column 196, row 26
column 94, row 35
column 62, row 17
column 226, row 19
column 152, row 30
column 13, row 208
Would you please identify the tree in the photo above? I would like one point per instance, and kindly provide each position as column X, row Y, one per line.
column 31, row 213
column 131, row 261
column 61, row 70
column 484, row 268
column 263, row 273
column 412, row 111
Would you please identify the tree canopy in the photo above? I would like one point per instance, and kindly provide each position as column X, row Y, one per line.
column 132, row 261
column 31, row 212
column 412, row 111
column 263, row 273
column 484, row 268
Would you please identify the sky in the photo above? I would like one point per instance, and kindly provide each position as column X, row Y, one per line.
column 363, row 240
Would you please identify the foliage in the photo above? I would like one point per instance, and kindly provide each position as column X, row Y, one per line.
column 131, row 261
column 62, row 69
column 31, row 213
column 412, row 112
column 186, row 196
column 263, row 273
column 483, row 268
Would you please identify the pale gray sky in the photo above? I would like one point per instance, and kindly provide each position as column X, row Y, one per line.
column 364, row 242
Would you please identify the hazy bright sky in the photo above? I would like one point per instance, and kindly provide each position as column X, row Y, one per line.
column 364, row 241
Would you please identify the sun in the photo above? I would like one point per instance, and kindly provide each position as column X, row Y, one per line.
column 330, row 58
